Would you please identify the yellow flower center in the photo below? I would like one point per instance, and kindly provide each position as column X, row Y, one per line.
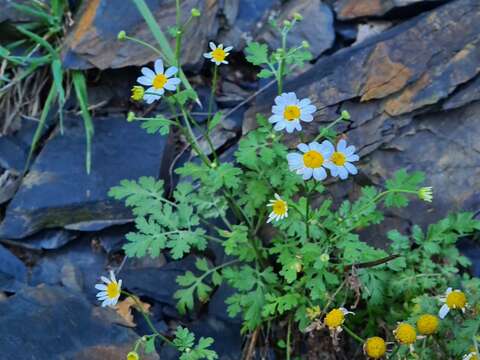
column 427, row 324
column 405, row 334
column 279, row 207
column 456, row 300
column 375, row 347
column 159, row 81
column 338, row 158
column 113, row 290
column 334, row 318
column 291, row 112
column 219, row 54
column 132, row 356
column 313, row 159
column 137, row 93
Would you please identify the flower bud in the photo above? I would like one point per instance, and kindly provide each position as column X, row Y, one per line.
column 297, row 16
column 133, row 355
column 324, row 257
column 305, row 44
column 130, row 116
column 287, row 23
column 122, row 35
column 195, row 12
column 345, row 115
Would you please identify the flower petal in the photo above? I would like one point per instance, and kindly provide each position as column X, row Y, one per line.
column 159, row 66
column 303, row 147
column 148, row 72
column 443, row 311
column 319, row 174
column 172, row 70
column 144, row 80
column 307, row 173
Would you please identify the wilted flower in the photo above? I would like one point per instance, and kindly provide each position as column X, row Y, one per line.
column 335, row 318
column 137, row 93
column 405, row 334
column 375, row 347
column 453, row 299
column 426, row 193
column 427, row 324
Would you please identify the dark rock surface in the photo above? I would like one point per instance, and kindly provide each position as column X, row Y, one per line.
column 57, row 191
column 351, row 9
column 13, row 272
column 92, row 42
column 45, row 240
column 44, row 321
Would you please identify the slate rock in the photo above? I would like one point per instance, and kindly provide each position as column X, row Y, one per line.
column 155, row 281
column 77, row 266
column 471, row 249
column 351, row 9
column 13, row 272
column 46, row 239
column 42, row 321
column 92, row 42
column 57, row 191
column 464, row 94
column 217, row 306
column 316, row 26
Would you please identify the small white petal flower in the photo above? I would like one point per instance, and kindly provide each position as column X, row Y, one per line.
column 109, row 291
column 218, row 53
column 288, row 111
column 158, row 81
column 279, row 209
column 340, row 164
column 313, row 160
column 453, row 299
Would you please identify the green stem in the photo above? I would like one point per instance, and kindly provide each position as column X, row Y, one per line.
column 147, row 318
column 141, row 42
column 353, row 335
column 212, row 95
column 289, row 333
column 329, row 126
column 394, row 352
column 179, row 32
column 281, row 67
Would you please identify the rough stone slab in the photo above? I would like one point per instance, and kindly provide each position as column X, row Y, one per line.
column 58, row 192
column 468, row 93
column 92, row 42
column 13, row 272
column 49, row 322
column 351, row 9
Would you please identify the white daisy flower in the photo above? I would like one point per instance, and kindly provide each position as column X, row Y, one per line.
column 109, row 291
column 471, row 356
column 218, row 53
column 453, row 299
column 315, row 156
column 289, row 110
column 279, row 209
column 158, row 81
column 340, row 163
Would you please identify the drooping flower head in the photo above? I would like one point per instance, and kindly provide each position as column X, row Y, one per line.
column 335, row 318
column 375, row 347
column 288, row 111
column 137, row 93
column 158, row 81
column 453, row 299
column 313, row 160
column 472, row 355
column 427, row 324
column 340, row 163
column 279, row 209
column 218, row 53
column 426, row 193
column 405, row 334
column 109, row 291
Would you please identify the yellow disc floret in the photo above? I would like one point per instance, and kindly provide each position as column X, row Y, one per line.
column 427, row 324
column 133, row 355
column 113, row 290
column 159, row 81
column 219, row 54
column 313, row 159
column 338, row 158
column 334, row 318
column 291, row 112
column 279, row 207
column 405, row 334
column 456, row 300
column 375, row 347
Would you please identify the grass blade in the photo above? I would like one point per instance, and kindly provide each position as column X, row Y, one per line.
column 38, row 40
column 161, row 39
column 80, row 86
column 32, row 11
column 52, row 95
column 57, row 72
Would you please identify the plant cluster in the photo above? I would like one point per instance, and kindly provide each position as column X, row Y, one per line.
column 295, row 256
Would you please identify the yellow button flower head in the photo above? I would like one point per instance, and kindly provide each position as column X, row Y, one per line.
column 426, row 193
column 472, row 355
column 109, row 291
column 288, row 111
column 453, row 299
column 158, row 81
column 279, row 209
column 218, row 53
column 133, row 355
column 137, row 93
column 340, row 163
column 427, row 324
column 405, row 334
column 311, row 163
column 375, row 347
column 335, row 318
